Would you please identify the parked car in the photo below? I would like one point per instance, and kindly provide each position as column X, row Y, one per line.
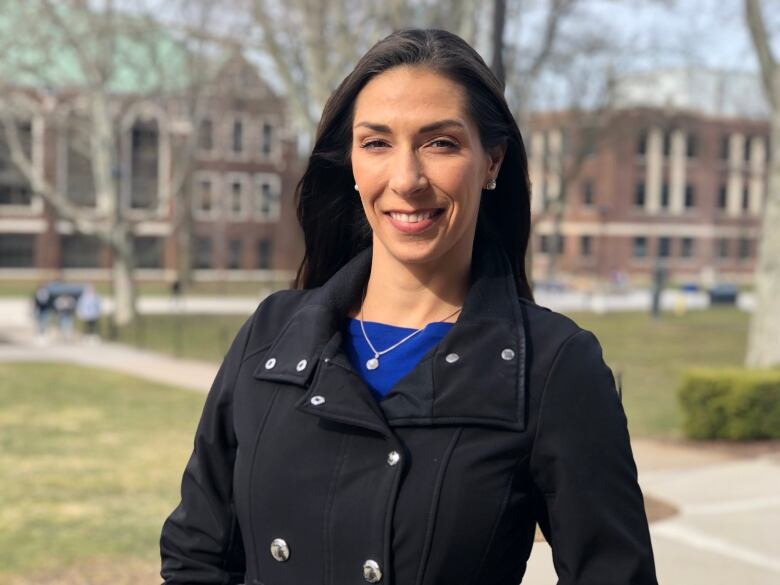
column 723, row 294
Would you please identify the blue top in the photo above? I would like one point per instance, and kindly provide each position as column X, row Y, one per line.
column 396, row 363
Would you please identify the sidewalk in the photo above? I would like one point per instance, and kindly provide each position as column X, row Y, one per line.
column 726, row 497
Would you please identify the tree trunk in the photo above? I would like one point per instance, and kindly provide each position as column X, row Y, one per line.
column 122, row 274
column 499, row 19
column 764, row 336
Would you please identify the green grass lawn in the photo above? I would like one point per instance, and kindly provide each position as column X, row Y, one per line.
column 202, row 337
column 90, row 463
column 652, row 354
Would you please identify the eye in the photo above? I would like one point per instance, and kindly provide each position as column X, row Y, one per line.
column 373, row 144
column 443, row 143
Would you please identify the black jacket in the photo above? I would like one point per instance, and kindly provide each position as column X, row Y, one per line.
column 440, row 483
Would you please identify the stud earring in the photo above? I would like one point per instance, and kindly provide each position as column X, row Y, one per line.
column 491, row 185
column 356, row 187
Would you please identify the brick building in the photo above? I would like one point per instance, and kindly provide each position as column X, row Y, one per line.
column 242, row 217
column 674, row 171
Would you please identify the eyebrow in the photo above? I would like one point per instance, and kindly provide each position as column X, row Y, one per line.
column 427, row 128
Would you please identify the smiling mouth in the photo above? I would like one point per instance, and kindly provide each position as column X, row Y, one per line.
column 415, row 217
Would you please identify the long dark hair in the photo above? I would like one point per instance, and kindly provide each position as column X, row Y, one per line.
column 334, row 225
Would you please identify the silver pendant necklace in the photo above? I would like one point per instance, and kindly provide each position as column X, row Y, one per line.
column 373, row 363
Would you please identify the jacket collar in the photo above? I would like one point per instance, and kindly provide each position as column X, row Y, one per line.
column 485, row 385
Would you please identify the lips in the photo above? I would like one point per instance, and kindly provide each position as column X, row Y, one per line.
column 415, row 222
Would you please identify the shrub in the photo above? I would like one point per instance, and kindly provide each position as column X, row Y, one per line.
column 731, row 404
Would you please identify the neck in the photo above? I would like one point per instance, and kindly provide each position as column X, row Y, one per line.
column 413, row 295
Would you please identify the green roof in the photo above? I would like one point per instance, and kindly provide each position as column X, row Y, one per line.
column 138, row 56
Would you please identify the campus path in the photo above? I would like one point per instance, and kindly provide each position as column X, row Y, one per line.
column 726, row 497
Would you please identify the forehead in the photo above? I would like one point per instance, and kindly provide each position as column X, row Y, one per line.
column 412, row 94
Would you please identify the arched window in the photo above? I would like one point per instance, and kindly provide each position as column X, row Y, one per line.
column 144, row 164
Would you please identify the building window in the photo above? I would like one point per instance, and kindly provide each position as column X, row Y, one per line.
column 586, row 245
column 745, row 199
column 690, row 197
column 639, row 195
column 588, row 194
column 80, row 251
column 724, row 147
column 237, row 136
column 686, row 247
column 640, row 247
column 237, row 206
column 79, row 180
column 641, row 147
column 743, row 249
column 723, row 248
column 267, row 197
column 204, row 203
column 148, row 251
column 667, row 145
column 267, row 139
column 15, row 189
column 665, row 196
column 235, row 253
column 17, row 251
column 544, row 244
column 746, row 152
column 691, row 146
column 202, row 258
column 664, row 247
column 723, row 197
column 264, row 252
column 206, row 135
column 144, row 164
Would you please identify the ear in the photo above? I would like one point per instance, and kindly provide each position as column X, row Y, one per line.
column 495, row 158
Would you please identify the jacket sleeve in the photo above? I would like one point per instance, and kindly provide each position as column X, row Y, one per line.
column 200, row 541
column 593, row 512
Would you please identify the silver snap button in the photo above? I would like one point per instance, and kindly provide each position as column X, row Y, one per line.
column 393, row 457
column 279, row 550
column 270, row 363
column 301, row 365
column 451, row 358
column 507, row 354
column 371, row 571
column 317, row 400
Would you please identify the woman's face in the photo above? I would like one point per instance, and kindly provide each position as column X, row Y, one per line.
column 419, row 165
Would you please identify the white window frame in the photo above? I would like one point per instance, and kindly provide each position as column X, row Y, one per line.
column 246, row 133
column 275, row 181
column 212, row 152
column 146, row 111
column 276, row 141
column 229, row 180
column 197, row 212
column 63, row 167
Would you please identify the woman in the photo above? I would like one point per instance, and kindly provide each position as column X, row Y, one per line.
column 408, row 415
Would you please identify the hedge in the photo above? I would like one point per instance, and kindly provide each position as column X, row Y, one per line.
column 731, row 404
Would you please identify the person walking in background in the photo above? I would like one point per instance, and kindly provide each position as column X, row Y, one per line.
column 65, row 305
column 42, row 306
column 88, row 311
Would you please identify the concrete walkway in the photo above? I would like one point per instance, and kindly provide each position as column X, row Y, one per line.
column 727, row 497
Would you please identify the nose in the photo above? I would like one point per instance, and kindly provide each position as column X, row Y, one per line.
column 407, row 177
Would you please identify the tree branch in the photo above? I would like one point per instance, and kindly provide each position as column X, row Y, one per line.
column 758, row 33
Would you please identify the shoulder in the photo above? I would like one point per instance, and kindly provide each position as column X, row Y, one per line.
column 272, row 314
column 556, row 341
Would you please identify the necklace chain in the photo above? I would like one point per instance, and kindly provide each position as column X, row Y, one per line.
column 373, row 363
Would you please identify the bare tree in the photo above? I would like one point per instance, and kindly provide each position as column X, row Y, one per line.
column 764, row 337
column 123, row 67
column 313, row 44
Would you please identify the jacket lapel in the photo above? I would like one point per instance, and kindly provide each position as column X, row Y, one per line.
column 484, row 385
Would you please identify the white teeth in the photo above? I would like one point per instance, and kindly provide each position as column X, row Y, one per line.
column 411, row 217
